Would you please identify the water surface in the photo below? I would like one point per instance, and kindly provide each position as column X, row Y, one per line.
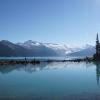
column 49, row 80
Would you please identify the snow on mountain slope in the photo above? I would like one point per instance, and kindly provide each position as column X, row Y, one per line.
column 60, row 49
column 87, row 50
column 29, row 44
column 37, row 48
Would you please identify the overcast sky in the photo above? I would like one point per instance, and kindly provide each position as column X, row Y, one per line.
column 73, row 22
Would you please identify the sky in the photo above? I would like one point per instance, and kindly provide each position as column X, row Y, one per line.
column 72, row 22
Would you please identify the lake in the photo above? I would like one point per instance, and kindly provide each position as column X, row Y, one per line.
column 50, row 81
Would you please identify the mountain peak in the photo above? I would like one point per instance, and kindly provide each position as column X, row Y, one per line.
column 34, row 48
column 5, row 41
column 29, row 44
column 30, row 41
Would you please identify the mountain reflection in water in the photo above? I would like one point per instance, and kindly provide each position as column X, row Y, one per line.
column 4, row 69
column 31, row 68
column 50, row 80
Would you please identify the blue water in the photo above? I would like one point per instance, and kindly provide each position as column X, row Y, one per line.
column 49, row 80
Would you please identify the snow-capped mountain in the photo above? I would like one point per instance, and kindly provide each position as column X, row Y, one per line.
column 87, row 50
column 29, row 44
column 60, row 49
column 34, row 48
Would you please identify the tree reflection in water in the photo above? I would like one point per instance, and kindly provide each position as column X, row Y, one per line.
column 4, row 69
column 97, row 71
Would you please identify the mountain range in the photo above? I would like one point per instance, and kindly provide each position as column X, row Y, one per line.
column 37, row 49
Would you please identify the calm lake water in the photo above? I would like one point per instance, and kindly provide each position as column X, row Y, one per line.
column 54, row 81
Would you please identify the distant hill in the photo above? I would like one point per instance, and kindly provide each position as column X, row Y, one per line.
column 33, row 48
column 10, row 49
column 59, row 49
column 88, row 51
